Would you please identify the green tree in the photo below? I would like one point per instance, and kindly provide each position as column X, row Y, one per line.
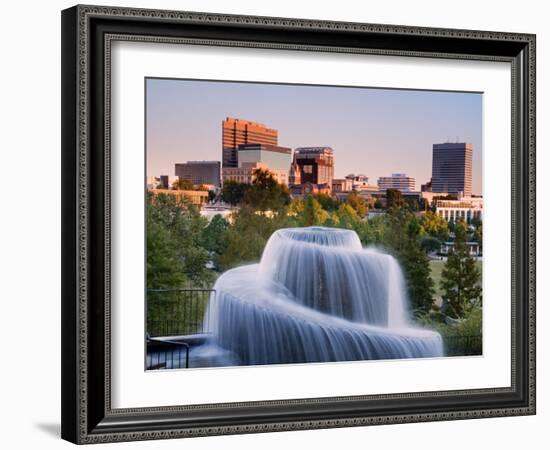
column 430, row 244
column 372, row 231
column 411, row 203
column 215, row 238
column 312, row 213
column 416, row 266
column 174, row 243
column 402, row 236
column 296, row 207
column 452, row 226
column 478, row 234
column 332, row 221
column 163, row 266
column 233, row 192
column 435, row 225
column 444, row 197
column 476, row 222
column 328, row 203
column 358, row 203
column 247, row 237
column 452, row 331
column 395, row 230
column 460, row 277
column 265, row 193
column 423, row 204
column 182, row 184
column 347, row 217
column 394, row 199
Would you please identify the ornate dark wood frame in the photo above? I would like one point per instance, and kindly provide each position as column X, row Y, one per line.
column 87, row 33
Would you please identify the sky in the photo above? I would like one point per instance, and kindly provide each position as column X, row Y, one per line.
column 372, row 131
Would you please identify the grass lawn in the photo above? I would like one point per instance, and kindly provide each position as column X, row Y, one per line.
column 436, row 267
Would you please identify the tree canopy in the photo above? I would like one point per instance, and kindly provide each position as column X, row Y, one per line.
column 233, row 192
column 394, row 199
column 174, row 243
column 460, row 278
column 402, row 237
column 265, row 193
column 358, row 203
column 183, row 185
column 435, row 225
column 184, row 247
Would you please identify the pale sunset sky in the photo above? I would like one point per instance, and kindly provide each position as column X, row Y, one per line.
column 372, row 131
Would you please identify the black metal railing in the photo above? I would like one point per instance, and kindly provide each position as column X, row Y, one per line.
column 463, row 345
column 177, row 312
column 180, row 314
column 166, row 354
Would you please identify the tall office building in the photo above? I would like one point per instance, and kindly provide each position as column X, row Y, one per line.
column 236, row 132
column 316, row 164
column 200, row 172
column 452, row 168
column 399, row 181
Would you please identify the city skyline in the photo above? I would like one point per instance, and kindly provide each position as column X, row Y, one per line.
column 372, row 131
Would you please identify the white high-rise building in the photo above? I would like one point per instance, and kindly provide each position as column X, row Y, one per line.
column 399, row 181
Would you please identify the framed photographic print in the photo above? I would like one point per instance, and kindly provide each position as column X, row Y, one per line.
column 281, row 224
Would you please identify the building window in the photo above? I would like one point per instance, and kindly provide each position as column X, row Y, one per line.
column 308, row 168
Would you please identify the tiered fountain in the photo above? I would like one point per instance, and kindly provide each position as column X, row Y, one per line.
column 316, row 296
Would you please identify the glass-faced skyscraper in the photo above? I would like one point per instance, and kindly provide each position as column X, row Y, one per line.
column 452, row 168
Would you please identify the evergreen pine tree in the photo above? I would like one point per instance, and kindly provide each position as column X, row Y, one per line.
column 460, row 276
column 402, row 237
column 416, row 266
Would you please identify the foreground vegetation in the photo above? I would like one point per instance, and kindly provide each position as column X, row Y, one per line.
column 185, row 249
column 436, row 268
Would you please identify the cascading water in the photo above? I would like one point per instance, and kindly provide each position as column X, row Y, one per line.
column 316, row 296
